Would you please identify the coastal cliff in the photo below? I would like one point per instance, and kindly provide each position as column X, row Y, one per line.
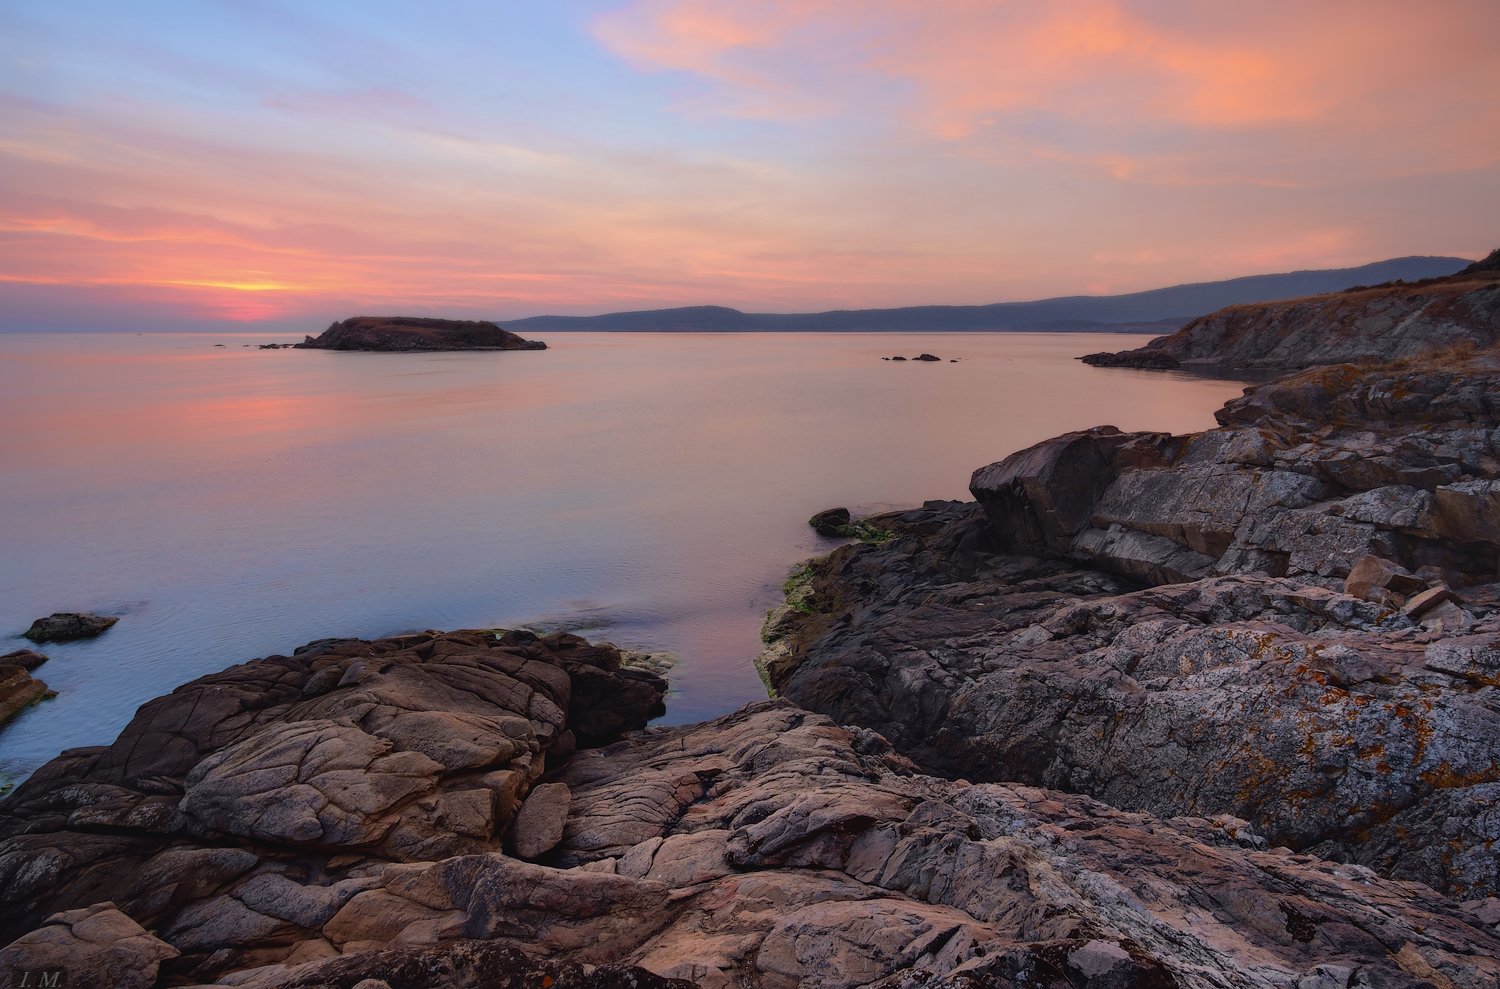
column 411, row 333
column 1383, row 322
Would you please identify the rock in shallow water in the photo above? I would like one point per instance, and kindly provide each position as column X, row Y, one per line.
column 68, row 626
column 831, row 522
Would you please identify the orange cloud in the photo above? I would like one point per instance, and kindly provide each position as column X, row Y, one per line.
column 900, row 153
column 1126, row 73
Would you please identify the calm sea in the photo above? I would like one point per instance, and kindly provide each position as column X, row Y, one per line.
column 652, row 489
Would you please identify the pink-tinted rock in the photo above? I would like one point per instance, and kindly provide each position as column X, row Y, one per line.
column 93, row 946
column 539, row 823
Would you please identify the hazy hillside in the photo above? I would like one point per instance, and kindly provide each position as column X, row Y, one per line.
column 1154, row 311
column 1366, row 323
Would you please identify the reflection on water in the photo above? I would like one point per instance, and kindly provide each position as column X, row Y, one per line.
column 652, row 488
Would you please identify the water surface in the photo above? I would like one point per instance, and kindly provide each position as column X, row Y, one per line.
column 654, row 489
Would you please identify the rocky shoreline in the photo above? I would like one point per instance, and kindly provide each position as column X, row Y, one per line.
column 1291, row 619
column 356, row 812
column 1151, row 712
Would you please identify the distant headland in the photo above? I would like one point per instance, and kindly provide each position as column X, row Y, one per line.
column 1161, row 310
column 1398, row 319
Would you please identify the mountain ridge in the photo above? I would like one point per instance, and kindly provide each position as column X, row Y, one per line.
column 1152, row 310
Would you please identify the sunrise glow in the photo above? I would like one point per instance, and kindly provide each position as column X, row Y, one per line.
column 181, row 163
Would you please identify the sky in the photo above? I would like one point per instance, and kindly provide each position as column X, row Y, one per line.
column 183, row 165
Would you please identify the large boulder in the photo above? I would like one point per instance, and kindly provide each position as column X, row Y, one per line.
column 1042, row 497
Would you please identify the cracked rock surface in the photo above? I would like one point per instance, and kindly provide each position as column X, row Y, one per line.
column 1290, row 619
column 347, row 753
column 773, row 848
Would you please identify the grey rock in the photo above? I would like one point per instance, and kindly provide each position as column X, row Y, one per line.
column 1239, row 680
column 68, row 626
column 539, row 823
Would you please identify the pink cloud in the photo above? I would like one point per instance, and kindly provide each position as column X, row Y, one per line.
column 1318, row 73
column 904, row 153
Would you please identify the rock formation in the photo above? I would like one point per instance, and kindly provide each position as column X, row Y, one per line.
column 1383, row 322
column 410, row 333
column 831, row 522
column 769, row 848
column 18, row 688
column 407, row 749
column 68, row 627
column 1290, row 619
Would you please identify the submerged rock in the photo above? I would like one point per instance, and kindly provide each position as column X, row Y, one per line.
column 411, row 333
column 68, row 627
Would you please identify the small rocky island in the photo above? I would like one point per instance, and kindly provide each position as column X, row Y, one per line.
column 407, row 334
column 1151, row 712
